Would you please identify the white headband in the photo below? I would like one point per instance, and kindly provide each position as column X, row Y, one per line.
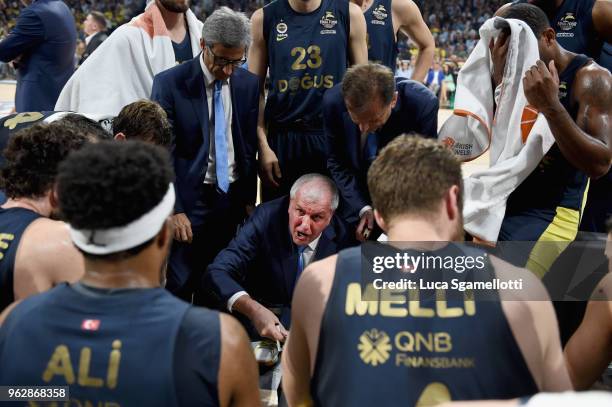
column 117, row 239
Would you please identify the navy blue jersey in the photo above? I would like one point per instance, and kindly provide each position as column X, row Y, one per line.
column 13, row 222
column 555, row 182
column 307, row 54
column 113, row 347
column 182, row 50
column 410, row 349
column 573, row 23
column 382, row 46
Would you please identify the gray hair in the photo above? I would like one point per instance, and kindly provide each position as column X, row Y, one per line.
column 227, row 27
column 315, row 193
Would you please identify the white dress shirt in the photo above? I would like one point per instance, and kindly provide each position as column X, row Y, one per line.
column 88, row 38
column 307, row 257
column 209, row 84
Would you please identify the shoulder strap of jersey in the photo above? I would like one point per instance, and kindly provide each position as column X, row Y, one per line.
column 269, row 12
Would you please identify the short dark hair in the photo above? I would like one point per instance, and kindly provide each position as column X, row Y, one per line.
column 532, row 15
column 33, row 156
column 411, row 175
column 91, row 127
column 100, row 18
column 609, row 225
column 111, row 184
column 144, row 120
column 364, row 82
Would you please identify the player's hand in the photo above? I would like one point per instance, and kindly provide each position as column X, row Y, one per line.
column 269, row 169
column 541, row 85
column 499, row 51
column 366, row 224
column 268, row 325
column 182, row 228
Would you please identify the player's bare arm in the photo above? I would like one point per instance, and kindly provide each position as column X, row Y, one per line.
column 586, row 143
column 602, row 16
column 46, row 257
column 589, row 350
column 238, row 375
column 407, row 17
column 269, row 169
column 308, row 305
column 358, row 49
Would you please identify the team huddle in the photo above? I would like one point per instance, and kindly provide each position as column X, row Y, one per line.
column 187, row 218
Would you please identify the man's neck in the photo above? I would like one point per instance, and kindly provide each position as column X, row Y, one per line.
column 40, row 205
column 415, row 230
column 562, row 59
column 131, row 273
column 175, row 22
column 304, row 6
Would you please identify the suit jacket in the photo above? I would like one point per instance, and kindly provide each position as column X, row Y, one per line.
column 416, row 111
column 45, row 38
column 94, row 43
column 262, row 259
column 181, row 93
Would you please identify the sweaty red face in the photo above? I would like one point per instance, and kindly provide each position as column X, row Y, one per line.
column 308, row 218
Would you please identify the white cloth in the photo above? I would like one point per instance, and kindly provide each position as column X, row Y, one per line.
column 209, row 84
column 120, row 238
column 307, row 257
column 121, row 70
column 475, row 127
column 571, row 399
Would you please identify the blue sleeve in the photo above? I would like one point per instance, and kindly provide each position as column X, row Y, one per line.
column 197, row 358
column 429, row 117
column 163, row 97
column 229, row 269
column 28, row 33
column 338, row 157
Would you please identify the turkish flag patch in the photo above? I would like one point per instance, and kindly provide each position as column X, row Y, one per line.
column 90, row 324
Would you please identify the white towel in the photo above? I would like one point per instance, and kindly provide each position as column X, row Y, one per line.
column 517, row 136
column 121, row 70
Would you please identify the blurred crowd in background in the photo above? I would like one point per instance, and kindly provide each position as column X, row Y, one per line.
column 454, row 26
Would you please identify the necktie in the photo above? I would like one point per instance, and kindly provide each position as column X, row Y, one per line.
column 220, row 140
column 370, row 148
column 301, row 250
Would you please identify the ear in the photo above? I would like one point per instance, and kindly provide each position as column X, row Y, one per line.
column 451, row 201
column 549, row 36
column 120, row 137
column 394, row 100
column 54, row 197
column 202, row 44
column 379, row 219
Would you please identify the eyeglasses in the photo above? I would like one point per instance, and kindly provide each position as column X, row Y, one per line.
column 220, row 61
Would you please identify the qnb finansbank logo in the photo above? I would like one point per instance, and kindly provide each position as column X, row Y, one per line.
column 374, row 347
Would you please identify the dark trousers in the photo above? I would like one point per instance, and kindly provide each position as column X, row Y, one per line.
column 214, row 221
column 299, row 152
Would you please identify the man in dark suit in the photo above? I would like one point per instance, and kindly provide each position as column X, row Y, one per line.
column 94, row 28
column 361, row 115
column 212, row 105
column 41, row 46
column 255, row 275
